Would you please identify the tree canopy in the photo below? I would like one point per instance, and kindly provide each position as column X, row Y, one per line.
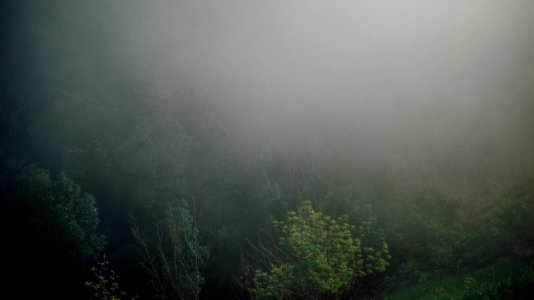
column 315, row 256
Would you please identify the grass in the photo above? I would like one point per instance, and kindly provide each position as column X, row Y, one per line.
column 502, row 280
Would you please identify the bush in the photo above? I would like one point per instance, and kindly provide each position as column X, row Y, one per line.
column 315, row 257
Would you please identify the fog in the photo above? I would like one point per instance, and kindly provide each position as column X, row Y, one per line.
column 410, row 82
column 362, row 107
column 345, row 51
column 360, row 66
column 357, row 63
column 360, row 52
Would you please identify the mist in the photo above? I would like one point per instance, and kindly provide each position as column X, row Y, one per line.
column 409, row 115
column 361, row 66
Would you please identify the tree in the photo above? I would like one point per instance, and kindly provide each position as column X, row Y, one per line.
column 173, row 256
column 105, row 283
column 315, row 257
column 61, row 218
column 49, row 229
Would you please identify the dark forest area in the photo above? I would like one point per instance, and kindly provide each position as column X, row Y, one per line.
column 266, row 150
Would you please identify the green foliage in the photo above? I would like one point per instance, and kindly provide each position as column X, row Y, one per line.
column 49, row 230
column 315, row 256
column 173, row 257
column 105, row 283
column 58, row 214
column 502, row 280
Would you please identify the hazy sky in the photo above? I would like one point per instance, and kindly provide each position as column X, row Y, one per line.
column 363, row 52
column 354, row 64
column 356, row 51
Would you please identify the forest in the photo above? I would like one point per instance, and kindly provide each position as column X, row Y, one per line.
column 238, row 149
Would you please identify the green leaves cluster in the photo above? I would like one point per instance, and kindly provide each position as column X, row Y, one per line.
column 58, row 214
column 316, row 256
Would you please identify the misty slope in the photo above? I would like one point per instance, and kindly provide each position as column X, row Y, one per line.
column 403, row 124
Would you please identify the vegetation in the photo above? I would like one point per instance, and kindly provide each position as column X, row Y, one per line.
column 49, row 224
column 105, row 284
column 177, row 182
column 174, row 259
column 502, row 280
column 315, row 257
